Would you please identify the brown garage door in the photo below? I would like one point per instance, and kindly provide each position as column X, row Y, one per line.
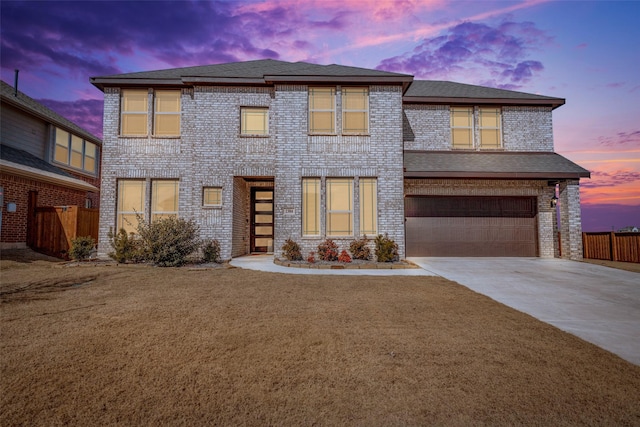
column 471, row 226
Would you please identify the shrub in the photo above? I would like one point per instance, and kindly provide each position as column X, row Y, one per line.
column 344, row 257
column 312, row 257
column 359, row 249
column 291, row 251
column 211, row 251
column 328, row 250
column 169, row 241
column 386, row 249
column 125, row 247
column 81, row 247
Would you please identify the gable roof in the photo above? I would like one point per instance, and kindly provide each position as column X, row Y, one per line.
column 495, row 165
column 443, row 92
column 263, row 71
column 31, row 106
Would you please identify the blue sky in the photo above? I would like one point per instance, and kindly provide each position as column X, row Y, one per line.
column 585, row 52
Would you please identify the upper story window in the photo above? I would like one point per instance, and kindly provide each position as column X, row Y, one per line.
column 355, row 110
column 322, row 110
column 485, row 132
column 134, row 107
column 254, row 121
column 490, row 126
column 74, row 151
column 166, row 113
column 462, row 127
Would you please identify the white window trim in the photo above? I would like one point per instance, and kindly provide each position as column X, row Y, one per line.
column 329, row 211
column 333, row 110
column 157, row 113
column 123, row 113
column 211, row 205
column 345, row 110
column 259, row 135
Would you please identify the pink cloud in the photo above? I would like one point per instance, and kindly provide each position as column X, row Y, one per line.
column 627, row 139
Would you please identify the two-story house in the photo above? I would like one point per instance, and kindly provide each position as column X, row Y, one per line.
column 261, row 151
column 45, row 160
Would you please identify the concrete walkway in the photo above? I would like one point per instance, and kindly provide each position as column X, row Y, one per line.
column 598, row 304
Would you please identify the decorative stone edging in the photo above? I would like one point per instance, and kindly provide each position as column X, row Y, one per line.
column 400, row 265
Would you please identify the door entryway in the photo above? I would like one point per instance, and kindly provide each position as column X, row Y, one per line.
column 261, row 220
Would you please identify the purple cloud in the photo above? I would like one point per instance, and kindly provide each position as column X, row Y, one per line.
column 497, row 56
column 606, row 179
column 86, row 113
column 628, row 139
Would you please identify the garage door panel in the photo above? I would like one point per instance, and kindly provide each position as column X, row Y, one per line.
column 485, row 235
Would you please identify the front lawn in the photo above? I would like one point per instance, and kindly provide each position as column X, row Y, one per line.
column 132, row 345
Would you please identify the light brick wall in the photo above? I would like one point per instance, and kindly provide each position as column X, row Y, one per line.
column 211, row 152
column 570, row 220
column 427, row 127
column 486, row 187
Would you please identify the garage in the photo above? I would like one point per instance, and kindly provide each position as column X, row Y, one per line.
column 466, row 226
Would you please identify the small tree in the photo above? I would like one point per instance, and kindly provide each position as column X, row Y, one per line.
column 125, row 247
column 386, row 249
column 81, row 247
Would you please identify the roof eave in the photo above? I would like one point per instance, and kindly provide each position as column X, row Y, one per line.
column 339, row 79
column 102, row 82
column 45, row 176
column 497, row 175
column 552, row 102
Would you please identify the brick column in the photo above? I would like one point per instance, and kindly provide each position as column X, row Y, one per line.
column 570, row 220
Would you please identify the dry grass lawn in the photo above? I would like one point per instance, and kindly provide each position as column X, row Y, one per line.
column 137, row 345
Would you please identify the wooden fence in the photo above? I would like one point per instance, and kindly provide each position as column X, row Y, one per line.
column 55, row 227
column 612, row 246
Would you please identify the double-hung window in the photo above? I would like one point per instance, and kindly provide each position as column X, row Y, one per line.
column 134, row 109
column 166, row 114
column 369, row 206
column 254, row 121
column 355, row 110
column 489, row 125
column 322, row 110
column 131, row 201
column 311, row 207
column 71, row 150
column 339, row 207
column 462, row 127
column 164, row 199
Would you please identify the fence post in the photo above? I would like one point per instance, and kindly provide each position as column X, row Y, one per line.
column 614, row 248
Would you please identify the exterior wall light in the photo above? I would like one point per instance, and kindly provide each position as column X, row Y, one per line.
column 554, row 201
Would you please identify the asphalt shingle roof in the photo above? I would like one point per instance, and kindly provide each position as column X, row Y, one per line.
column 443, row 164
column 257, row 69
column 23, row 158
column 7, row 93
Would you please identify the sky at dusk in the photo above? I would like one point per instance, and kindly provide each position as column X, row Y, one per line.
column 584, row 51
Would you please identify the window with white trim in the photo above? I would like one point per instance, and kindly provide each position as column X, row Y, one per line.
column 254, row 121
column 166, row 113
column 339, row 207
column 71, row 150
column 131, row 202
column 490, row 127
column 311, row 206
column 484, row 131
column 164, row 199
column 212, row 196
column 355, row 110
column 368, row 206
column 134, row 108
column 322, row 110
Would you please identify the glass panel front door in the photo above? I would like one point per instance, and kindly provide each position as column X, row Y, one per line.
column 261, row 220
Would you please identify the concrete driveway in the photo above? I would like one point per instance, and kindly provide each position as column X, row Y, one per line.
column 598, row 304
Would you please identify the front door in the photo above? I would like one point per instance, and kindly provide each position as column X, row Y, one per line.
column 262, row 220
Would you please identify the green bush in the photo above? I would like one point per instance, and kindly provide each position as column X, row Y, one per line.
column 81, row 247
column 125, row 247
column 211, row 251
column 169, row 241
column 291, row 251
column 328, row 250
column 386, row 249
column 359, row 248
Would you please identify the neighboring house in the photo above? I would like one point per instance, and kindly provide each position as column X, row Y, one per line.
column 45, row 160
column 261, row 151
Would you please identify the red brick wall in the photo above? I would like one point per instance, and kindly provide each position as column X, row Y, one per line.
column 16, row 190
